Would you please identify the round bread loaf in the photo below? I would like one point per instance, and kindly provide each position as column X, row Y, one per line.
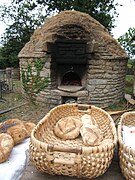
column 29, row 127
column 10, row 123
column 18, row 133
column 6, row 146
column 68, row 127
column 15, row 128
column 91, row 135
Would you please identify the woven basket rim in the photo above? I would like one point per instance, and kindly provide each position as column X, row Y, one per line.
column 85, row 149
column 119, row 133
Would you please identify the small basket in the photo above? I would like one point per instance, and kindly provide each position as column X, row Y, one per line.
column 53, row 155
column 126, row 153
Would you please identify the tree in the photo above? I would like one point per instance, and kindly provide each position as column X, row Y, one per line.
column 127, row 43
column 24, row 16
column 21, row 19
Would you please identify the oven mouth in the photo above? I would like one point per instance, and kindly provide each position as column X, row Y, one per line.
column 70, row 82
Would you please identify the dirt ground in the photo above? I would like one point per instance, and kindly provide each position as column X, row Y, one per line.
column 27, row 112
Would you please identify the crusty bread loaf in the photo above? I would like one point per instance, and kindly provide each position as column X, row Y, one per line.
column 18, row 133
column 91, row 135
column 6, row 146
column 68, row 127
column 29, row 127
column 88, row 119
column 15, row 128
column 10, row 123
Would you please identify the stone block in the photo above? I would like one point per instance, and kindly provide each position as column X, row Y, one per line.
column 97, row 81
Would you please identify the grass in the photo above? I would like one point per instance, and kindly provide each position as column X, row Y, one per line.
column 117, row 106
column 129, row 79
column 129, row 84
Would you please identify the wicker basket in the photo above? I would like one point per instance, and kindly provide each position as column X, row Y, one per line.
column 126, row 154
column 55, row 156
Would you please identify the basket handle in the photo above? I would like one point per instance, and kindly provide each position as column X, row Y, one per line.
column 83, row 107
column 77, row 151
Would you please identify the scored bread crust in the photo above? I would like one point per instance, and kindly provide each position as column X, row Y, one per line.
column 6, row 146
column 68, row 127
column 91, row 135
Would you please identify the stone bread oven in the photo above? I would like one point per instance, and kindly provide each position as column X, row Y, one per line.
column 83, row 62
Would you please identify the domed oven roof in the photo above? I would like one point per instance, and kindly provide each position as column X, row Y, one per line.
column 54, row 29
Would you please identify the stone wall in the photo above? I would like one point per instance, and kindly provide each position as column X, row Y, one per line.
column 105, row 85
column 106, row 81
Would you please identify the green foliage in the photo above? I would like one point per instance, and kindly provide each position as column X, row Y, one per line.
column 129, row 79
column 22, row 19
column 9, row 54
column 127, row 43
column 39, row 63
column 117, row 106
column 33, row 83
column 26, row 77
column 130, row 63
column 129, row 84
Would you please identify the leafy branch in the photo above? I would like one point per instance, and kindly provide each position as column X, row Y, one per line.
column 33, row 83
